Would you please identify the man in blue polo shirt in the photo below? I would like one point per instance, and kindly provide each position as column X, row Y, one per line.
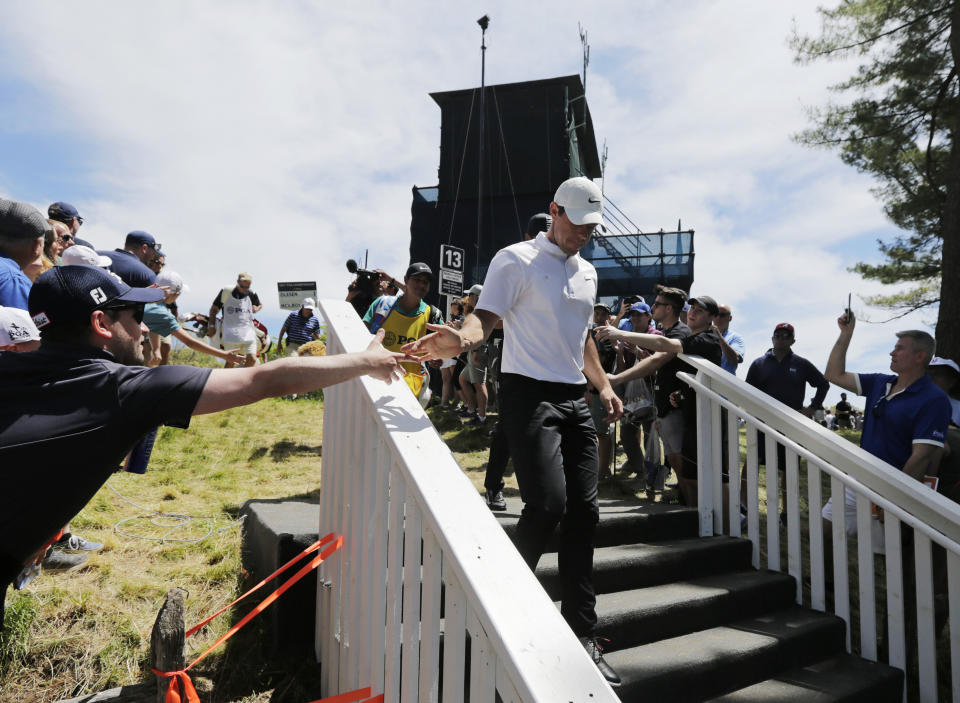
column 130, row 263
column 22, row 229
column 906, row 414
column 300, row 327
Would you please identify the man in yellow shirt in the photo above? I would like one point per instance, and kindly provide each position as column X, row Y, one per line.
column 404, row 319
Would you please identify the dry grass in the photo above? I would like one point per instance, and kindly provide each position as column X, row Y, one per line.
column 87, row 631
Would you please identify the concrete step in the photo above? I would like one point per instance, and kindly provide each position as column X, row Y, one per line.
column 622, row 522
column 699, row 665
column 841, row 679
column 629, row 566
column 638, row 616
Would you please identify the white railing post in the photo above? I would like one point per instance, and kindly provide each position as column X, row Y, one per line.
column 705, row 465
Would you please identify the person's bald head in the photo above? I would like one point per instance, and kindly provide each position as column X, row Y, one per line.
column 724, row 317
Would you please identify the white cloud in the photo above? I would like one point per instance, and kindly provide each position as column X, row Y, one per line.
column 283, row 138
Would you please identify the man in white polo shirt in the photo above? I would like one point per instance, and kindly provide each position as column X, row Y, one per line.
column 544, row 293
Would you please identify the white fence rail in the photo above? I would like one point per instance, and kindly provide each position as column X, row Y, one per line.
column 915, row 548
column 425, row 567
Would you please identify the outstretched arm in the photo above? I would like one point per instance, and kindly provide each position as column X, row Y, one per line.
column 230, row 388
column 653, row 342
column 195, row 344
column 837, row 363
column 445, row 342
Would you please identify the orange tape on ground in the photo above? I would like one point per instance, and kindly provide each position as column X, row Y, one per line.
column 349, row 697
column 180, row 681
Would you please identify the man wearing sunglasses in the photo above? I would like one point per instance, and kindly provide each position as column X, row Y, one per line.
column 67, row 214
column 130, row 263
column 71, row 411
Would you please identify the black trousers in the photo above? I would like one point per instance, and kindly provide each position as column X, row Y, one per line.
column 553, row 443
column 497, row 459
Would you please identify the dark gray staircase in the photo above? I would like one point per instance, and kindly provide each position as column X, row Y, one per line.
column 689, row 619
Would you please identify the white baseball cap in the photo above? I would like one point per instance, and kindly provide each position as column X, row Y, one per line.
column 475, row 289
column 309, row 304
column 16, row 327
column 172, row 281
column 940, row 361
column 582, row 201
column 79, row 254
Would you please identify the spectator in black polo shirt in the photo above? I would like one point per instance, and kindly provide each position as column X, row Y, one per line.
column 130, row 263
column 300, row 327
column 702, row 341
column 72, row 410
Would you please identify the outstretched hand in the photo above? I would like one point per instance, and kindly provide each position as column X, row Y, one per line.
column 384, row 364
column 443, row 343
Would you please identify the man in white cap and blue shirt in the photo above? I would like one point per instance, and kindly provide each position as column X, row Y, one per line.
column 300, row 327
column 544, row 292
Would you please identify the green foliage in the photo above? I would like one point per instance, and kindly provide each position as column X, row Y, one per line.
column 898, row 124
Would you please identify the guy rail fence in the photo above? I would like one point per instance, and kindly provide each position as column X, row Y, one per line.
column 915, row 547
column 428, row 599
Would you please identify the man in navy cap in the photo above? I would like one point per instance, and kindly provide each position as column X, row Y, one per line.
column 68, row 215
column 130, row 263
column 22, row 229
column 71, row 411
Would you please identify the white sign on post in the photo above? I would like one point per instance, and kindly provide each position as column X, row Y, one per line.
column 292, row 293
column 452, row 261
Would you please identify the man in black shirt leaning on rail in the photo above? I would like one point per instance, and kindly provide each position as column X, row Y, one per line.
column 75, row 407
column 704, row 341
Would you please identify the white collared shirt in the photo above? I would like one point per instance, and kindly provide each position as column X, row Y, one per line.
column 545, row 299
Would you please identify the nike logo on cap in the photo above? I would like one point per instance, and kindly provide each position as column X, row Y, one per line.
column 592, row 200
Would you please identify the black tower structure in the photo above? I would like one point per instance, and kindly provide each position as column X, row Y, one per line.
column 537, row 134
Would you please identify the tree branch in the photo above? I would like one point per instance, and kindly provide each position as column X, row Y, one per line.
column 876, row 37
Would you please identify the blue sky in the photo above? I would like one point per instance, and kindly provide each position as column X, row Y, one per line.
column 283, row 138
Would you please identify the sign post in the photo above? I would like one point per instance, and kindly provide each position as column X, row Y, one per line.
column 292, row 293
column 452, row 261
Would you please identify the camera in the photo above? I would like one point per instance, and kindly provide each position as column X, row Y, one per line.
column 366, row 287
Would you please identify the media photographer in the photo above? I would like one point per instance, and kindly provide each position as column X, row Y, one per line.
column 368, row 285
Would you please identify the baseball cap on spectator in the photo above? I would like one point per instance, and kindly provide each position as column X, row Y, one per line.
column 309, row 304
column 140, row 237
column 707, row 303
column 68, row 294
column 541, row 222
column 605, row 308
column 784, row 327
column 63, row 212
column 418, row 267
column 172, row 281
column 16, row 327
column 582, row 201
column 21, row 221
column 80, row 254
column 640, row 307
column 84, row 243
column 475, row 289
column 941, row 361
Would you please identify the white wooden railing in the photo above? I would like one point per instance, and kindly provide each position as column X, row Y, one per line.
column 928, row 516
column 424, row 564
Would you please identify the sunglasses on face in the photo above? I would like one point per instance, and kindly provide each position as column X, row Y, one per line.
column 79, row 220
column 66, row 237
column 136, row 307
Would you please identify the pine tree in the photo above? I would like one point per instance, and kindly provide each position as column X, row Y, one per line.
column 900, row 123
